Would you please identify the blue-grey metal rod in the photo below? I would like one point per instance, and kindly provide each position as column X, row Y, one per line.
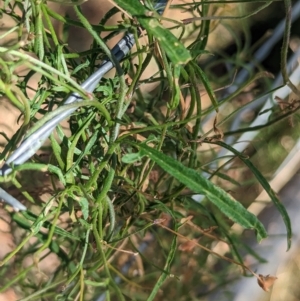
column 32, row 143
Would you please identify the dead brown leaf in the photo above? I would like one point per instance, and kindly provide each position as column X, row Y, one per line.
column 265, row 282
column 188, row 246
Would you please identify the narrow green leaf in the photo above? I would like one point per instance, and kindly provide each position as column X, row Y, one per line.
column 131, row 158
column 166, row 270
column 84, row 204
column 223, row 176
column 206, row 85
column 176, row 52
column 199, row 184
column 69, row 2
column 264, row 183
column 29, row 216
column 96, row 284
column 176, row 87
column 42, row 167
column 58, row 172
column 167, row 267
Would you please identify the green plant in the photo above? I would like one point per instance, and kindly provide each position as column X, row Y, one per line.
column 125, row 178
